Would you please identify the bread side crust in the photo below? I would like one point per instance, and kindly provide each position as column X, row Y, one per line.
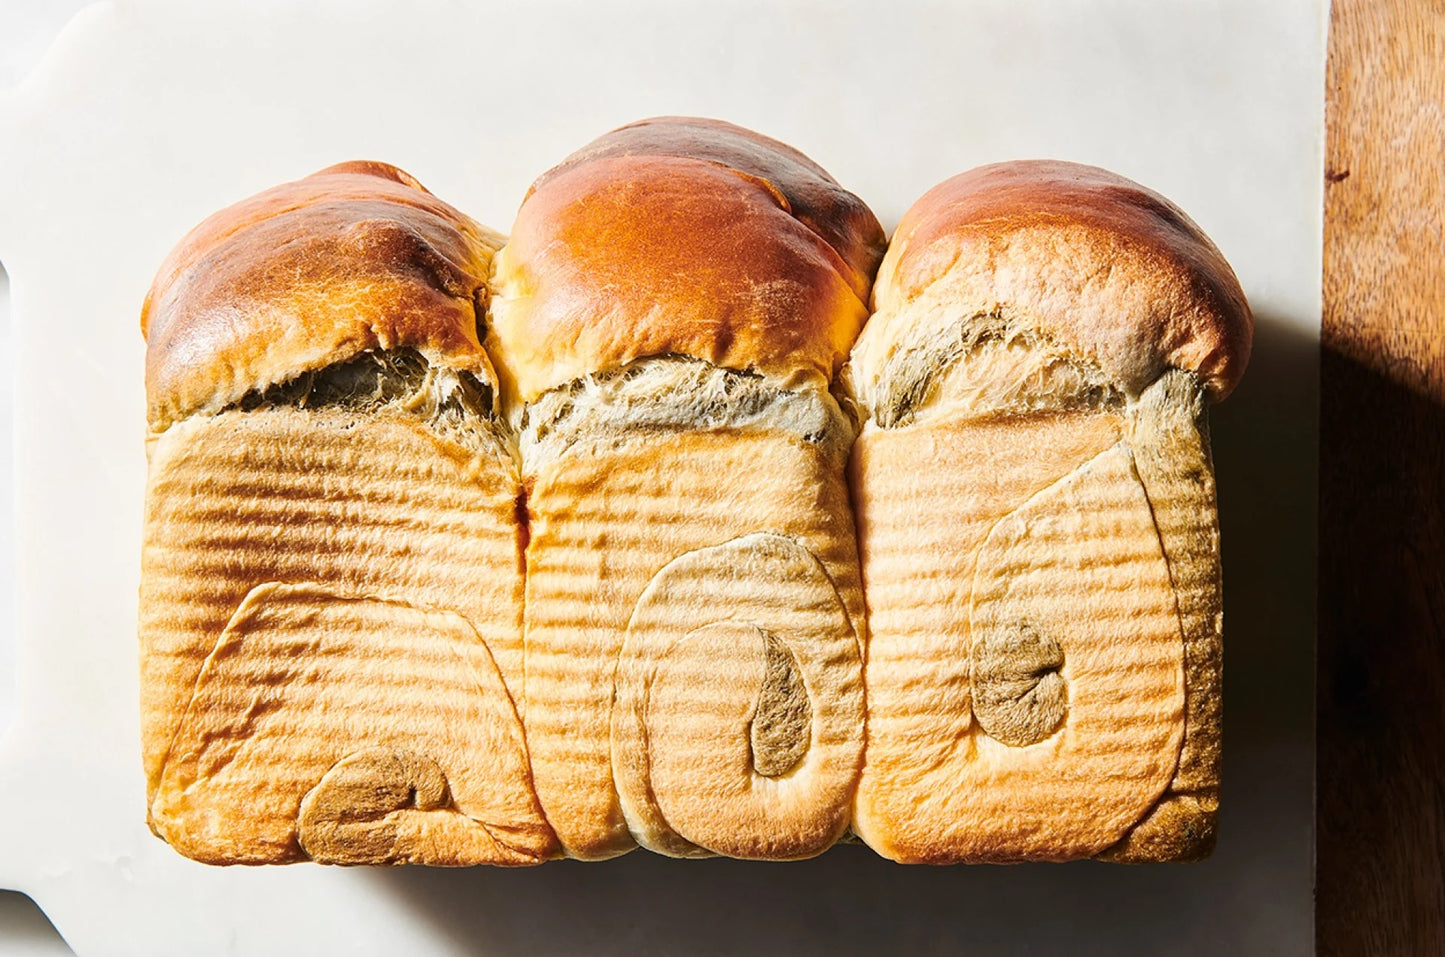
column 606, row 518
column 362, row 507
column 936, row 786
column 1169, row 435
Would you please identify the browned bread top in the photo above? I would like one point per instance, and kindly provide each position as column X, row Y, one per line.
column 1107, row 267
column 358, row 256
column 813, row 197
column 683, row 237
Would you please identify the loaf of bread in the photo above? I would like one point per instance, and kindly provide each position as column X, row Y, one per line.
column 461, row 550
column 669, row 313
column 1037, row 521
column 331, row 597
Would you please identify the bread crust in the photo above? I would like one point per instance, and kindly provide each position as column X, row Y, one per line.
column 813, row 196
column 1170, row 438
column 1022, row 309
column 1111, row 269
column 638, row 246
column 608, row 518
column 937, row 785
column 356, row 257
column 315, row 585
column 672, row 307
column 332, row 580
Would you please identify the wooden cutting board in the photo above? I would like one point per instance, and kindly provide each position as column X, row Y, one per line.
column 1381, row 666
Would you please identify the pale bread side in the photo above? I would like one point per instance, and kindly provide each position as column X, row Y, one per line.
column 318, row 584
column 640, row 551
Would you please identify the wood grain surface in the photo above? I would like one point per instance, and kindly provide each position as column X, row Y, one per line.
column 1381, row 667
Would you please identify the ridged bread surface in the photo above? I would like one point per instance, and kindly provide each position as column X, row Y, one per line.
column 320, row 585
column 768, row 584
column 1168, row 433
column 1025, row 666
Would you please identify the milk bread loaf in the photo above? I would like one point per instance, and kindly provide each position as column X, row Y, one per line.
column 462, row 552
column 1037, row 523
column 668, row 315
column 332, row 580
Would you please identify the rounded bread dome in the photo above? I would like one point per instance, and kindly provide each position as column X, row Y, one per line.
column 1112, row 270
column 355, row 257
column 682, row 237
column 813, row 197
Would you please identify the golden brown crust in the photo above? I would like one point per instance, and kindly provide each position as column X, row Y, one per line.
column 814, row 197
column 625, row 254
column 357, row 256
column 1111, row 269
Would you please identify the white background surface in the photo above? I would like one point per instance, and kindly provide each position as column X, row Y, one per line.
column 27, row 27
column 148, row 116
